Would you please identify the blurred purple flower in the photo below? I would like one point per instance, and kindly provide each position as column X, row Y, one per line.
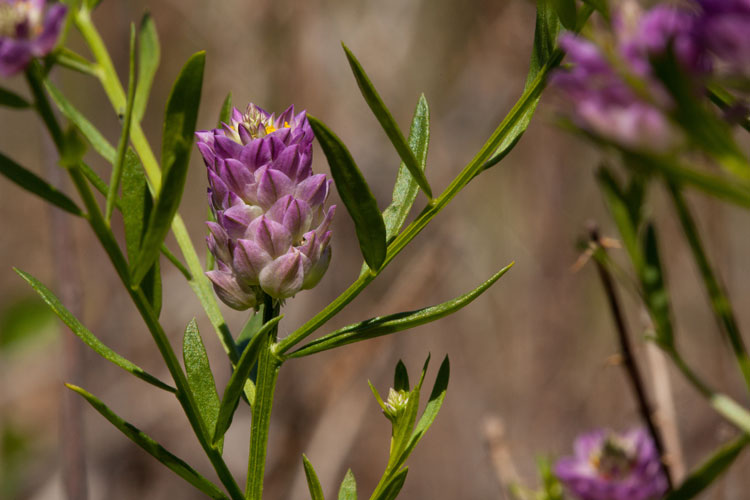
column 271, row 233
column 27, row 30
column 722, row 28
column 611, row 466
column 603, row 103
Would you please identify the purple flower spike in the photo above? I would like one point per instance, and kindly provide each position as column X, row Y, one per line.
column 27, row 30
column 723, row 27
column 611, row 466
column 271, row 234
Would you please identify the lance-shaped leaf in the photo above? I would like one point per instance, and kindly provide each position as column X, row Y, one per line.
column 239, row 377
column 122, row 145
column 87, row 129
column 137, row 205
column 401, row 377
column 393, row 486
column 406, row 188
column 384, row 325
column 655, row 291
column 348, row 489
column 709, row 470
column 149, row 53
column 566, row 11
column 313, row 483
column 87, row 337
column 172, row 462
column 387, row 122
column 179, row 130
column 404, row 424
column 356, row 195
column 10, row 99
column 36, row 185
column 543, row 56
column 200, row 378
column 225, row 115
column 437, row 396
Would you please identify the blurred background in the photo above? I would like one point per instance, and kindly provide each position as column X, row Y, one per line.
column 532, row 356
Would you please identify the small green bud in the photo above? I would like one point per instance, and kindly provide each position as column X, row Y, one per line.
column 395, row 404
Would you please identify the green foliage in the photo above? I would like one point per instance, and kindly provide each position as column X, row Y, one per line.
column 200, row 378
column 172, row 462
column 122, row 145
column 566, row 11
column 236, row 383
column 385, row 325
column 356, row 195
column 313, row 483
column 31, row 182
column 179, row 129
column 386, row 120
column 348, row 490
column 710, row 470
column 87, row 337
column 406, row 187
column 149, row 54
column 10, row 99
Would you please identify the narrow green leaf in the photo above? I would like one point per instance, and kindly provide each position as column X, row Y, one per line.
column 225, row 115
column 89, row 131
column 149, row 53
column 313, row 483
column 386, row 120
column 356, row 195
column 393, row 486
column 377, row 395
column 406, row 188
column 252, row 326
column 122, row 145
column 73, row 148
column 710, row 470
column 543, row 55
column 566, row 11
column 621, row 213
column 348, row 490
column 237, row 380
column 136, row 207
column 401, row 377
column 200, row 378
column 179, row 129
column 731, row 411
column 172, row 462
column 719, row 186
column 430, row 412
column 10, row 99
column 600, row 6
column 384, row 325
column 655, row 291
column 86, row 336
column 92, row 4
column 36, row 185
column 72, row 60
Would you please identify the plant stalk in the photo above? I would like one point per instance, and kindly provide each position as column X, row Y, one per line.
column 628, row 359
column 268, row 372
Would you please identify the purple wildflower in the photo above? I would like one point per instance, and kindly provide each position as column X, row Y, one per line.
column 271, row 233
column 723, row 27
column 610, row 466
column 604, row 104
column 27, row 30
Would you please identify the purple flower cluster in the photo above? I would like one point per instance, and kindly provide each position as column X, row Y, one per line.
column 27, row 30
column 271, row 233
column 611, row 466
column 610, row 84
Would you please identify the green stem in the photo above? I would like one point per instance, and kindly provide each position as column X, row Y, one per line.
column 268, row 372
column 114, row 90
column 109, row 243
column 720, row 303
column 471, row 170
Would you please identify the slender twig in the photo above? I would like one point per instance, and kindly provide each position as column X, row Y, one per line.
column 628, row 360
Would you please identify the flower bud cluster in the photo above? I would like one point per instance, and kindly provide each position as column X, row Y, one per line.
column 271, row 234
